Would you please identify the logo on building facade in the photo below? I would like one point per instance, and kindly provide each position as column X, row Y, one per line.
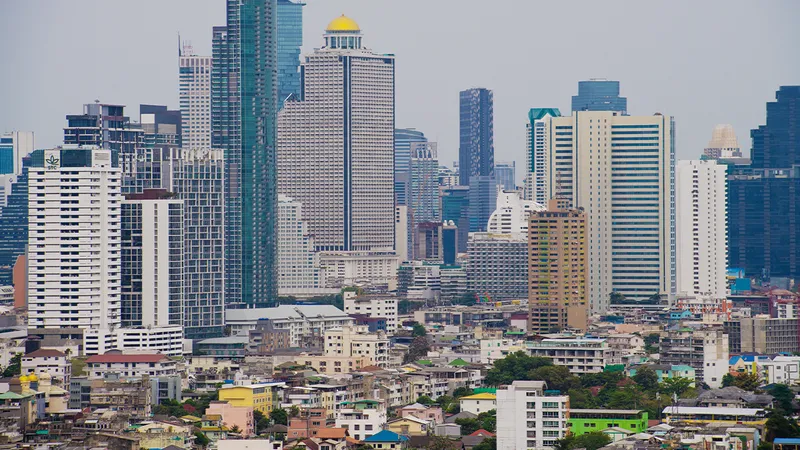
column 51, row 162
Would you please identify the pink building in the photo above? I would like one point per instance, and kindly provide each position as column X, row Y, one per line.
column 234, row 416
column 432, row 413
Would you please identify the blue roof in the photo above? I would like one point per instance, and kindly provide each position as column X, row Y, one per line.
column 790, row 441
column 386, row 436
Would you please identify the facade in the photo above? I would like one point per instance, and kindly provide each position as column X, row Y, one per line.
column 599, row 94
column 86, row 178
column 373, row 306
column 455, row 209
column 358, row 342
column 482, row 201
column 423, row 187
column 512, row 213
column 582, row 421
column 260, row 397
column 723, row 143
column 14, row 225
column 194, row 93
column 235, row 416
column 478, row 403
column 197, row 178
column 505, row 173
column 767, row 189
column 428, row 245
column 362, row 419
column 152, row 260
column 290, row 39
column 537, row 154
column 403, row 140
column 160, row 126
column 265, row 338
column 343, row 177
column 14, row 146
column 306, row 323
column 243, row 124
column 52, row 362
column 498, row 265
column 107, row 127
column 299, row 270
column 580, row 355
column 701, row 252
column 529, row 418
column 130, row 366
column 620, row 170
column 705, row 350
column 165, row 339
column 377, row 269
column 766, row 335
column 557, row 269
column 476, row 135
column 402, row 233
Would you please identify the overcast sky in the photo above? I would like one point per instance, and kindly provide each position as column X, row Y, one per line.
column 704, row 62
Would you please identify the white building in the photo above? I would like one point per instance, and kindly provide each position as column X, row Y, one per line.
column 74, row 240
column 529, row 419
column 18, row 144
column 165, row 339
column 362, row 418
column 6, row 181
column 580, row 355
column 619, row 169
column 344, row 269
column 781, row 369
column 299, row 271
column 335, row 150
column 53, row 362
column 358, row 341
column 494, row 349
column 373, row 306
column 705, row 350
column 498, row 265
column 195, row 99
column 511, row 214
column 401, row 233
column 152, row 263
column 478, row 403
column 130, row 365
column 304, row 322
column 723, row 143
column 701, row 250
column 425, row 282
column 537, row 154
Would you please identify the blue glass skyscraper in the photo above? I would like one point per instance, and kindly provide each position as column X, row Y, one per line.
column 290, row 39
column 14, row 221
column 599, row 95
column 476, row 134
column 403, row 137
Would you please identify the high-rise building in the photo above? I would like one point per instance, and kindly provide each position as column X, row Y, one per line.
column 723, row 143
column 455, row 209
column 243, row 124
column 428, row 244
column 152, row 259
column 335, row 148
column 482, row 201
column 107, row 127
column 511, row 215
column 620, row 170
column 197, row 178
column 423, row 189
column 476, row 134
column 402, row 235
column 701, row 250
column 537, row 154
column 290, row 39
column 530, row 416
column 763, row 220
column 447, row 177
column 599, row 94
column 74, row 241
column 557, row 269
column 505, row 173
column 160, row 126
column 298, row 264
column 403, row 138
column 13, row 147
column 195, row 98
column 498, row 265
column 14, row 222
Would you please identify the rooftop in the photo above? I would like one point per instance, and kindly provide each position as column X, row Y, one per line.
column 482, row 396
column 122, row 358
column 284, row 312
column 45, row 353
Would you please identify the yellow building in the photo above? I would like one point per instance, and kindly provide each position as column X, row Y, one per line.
column 332, row 364
column 260, row 397
column 409, row 426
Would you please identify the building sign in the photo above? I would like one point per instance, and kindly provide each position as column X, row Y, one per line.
column 52, row 159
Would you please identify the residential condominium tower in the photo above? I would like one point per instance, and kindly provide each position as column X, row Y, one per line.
column 620, row 170
column 537, row 154
column 195, row 98
column 299, row 271
column 290, row 39
column 243, row 111
column 336, row 147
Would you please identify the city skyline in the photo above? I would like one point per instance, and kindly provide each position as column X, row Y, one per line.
column 692, row 62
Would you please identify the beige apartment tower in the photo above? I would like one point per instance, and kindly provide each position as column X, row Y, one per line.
column 557, row 268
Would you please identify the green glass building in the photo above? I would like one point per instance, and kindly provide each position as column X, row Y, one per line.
column 582, row 421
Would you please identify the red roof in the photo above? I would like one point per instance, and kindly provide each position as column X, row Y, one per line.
column 483, row 433
column 116, row 358
column 44, row 352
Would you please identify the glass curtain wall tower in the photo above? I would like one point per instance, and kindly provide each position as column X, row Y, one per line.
column 290, row 39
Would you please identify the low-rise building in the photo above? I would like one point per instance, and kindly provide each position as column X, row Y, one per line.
column 228, row 347
column 714, row 415
column 410, row 426
column 430, row 413
column 387, row 440
column 362, row 419
column 360, row 268
column 375, row 306
column 130, row 365
column 234, row 416
column 358, row 342
column 261, row 397
column 306, row 323
column 580, row 355
column 494, row 349
column 528, row 418
column 582, row 421
column 666, row 371
column 266, row 339
column 167, row 340
column 479, row 403
column 307, row 424
column 705, row 350
column 53, row 362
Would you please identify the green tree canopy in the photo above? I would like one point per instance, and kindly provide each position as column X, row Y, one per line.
column 647, row 378
column 747, row 381
column 675, row 386
column 279, row 416
column 425, row 400
column 14, row 366
column 590, row 441
column 516, row 366
column 418, row 348
column 487, row 444
column 419, row 330
column 783, row 398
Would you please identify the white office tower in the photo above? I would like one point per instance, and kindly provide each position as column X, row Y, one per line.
column 528, row 417
column 401, row 234
column 537, row 154
column 701, row 215
column 14, row 146
column 195, row 99
column 152, row 260
column 335, row 151
column 299, row 272
column 74, row 240
column 511, row 215
column 620, row 170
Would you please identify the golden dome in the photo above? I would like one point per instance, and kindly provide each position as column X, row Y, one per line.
column 343, row 23
column 33, row 378
column 24, row 379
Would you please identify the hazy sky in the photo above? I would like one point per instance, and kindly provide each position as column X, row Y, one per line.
column 704, row 62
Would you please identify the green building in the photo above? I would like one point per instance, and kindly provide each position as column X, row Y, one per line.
column 582, row 421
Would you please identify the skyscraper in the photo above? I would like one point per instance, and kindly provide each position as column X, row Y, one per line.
column 701, row 248
column 557, row 269
column 105, row 126
column 476, row 135
column 424, row 183
column 14, row 222
column 335, row 148
column 74, row 244
column 537, row 154
column 290, row 39
column 14, row 146
column 497, row 267
column 403, row 138
column 599, row 94
column 455, row 209
column 160, row 126
column 243, row 110
column 620, row 170
column 482, row 201
column 723, row 143
column 763, row 219
column 195, row 98
column 298, row 264
column 505, row 172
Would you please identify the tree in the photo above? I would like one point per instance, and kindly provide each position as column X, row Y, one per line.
column 781, row 426
column 616, row 297
column 647, row 378
column 783, row 398
column 419, row 330
column 294, row 411
column 487, row 444
column 448, row 404
column 418, row 348
column 581, row 398
column 488, row 420
column 200, row 439
column 442, row 443
column 279, row 416
column 747, row 381
column 14, row 366
column 262, row 422
column 516, row 366
column 425, row 400
column 590, row 441
column 468, row 426
column 235, row 429
column 557, row 377
column 462, row 392
column 675, row 386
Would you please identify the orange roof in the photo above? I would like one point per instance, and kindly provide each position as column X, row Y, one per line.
column 331, row 433
column 483, row 433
